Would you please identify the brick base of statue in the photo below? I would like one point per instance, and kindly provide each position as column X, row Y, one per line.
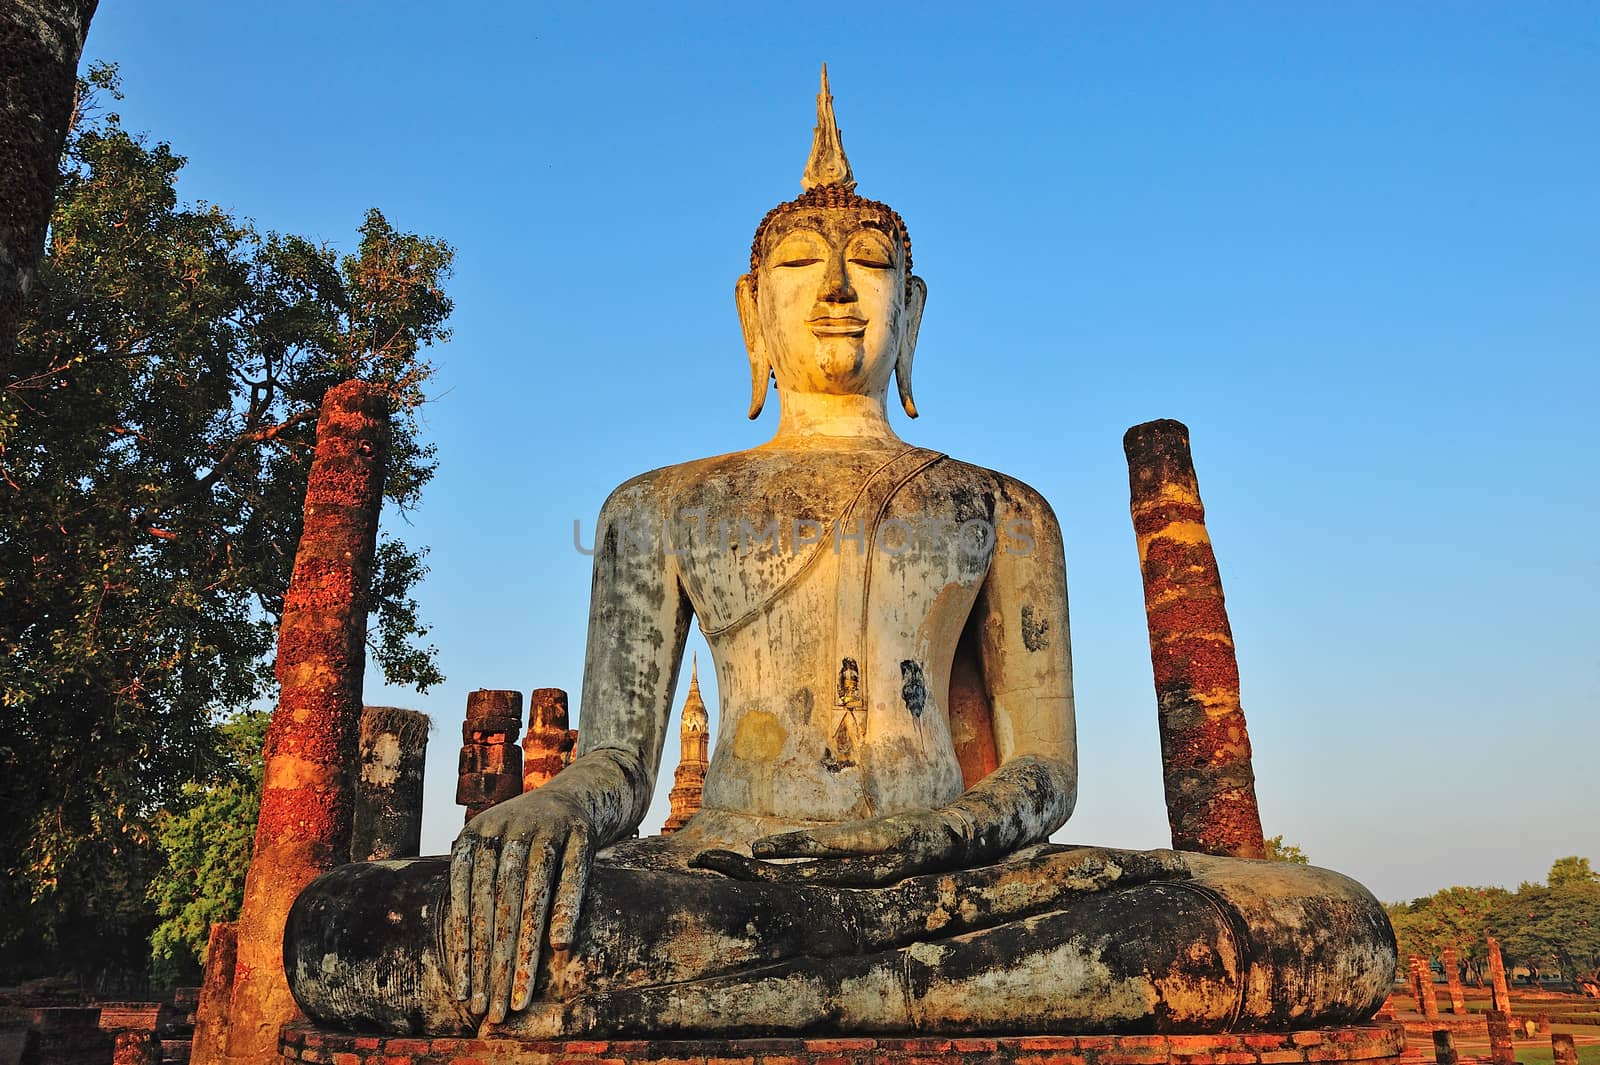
column 1377, row 1044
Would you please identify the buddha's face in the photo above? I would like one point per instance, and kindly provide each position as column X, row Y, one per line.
column 831, row 300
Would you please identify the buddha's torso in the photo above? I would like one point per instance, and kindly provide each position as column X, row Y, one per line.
column 833, row 667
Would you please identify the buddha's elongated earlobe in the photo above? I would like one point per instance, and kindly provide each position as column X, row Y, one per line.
column 744, row 295
column 916, row 300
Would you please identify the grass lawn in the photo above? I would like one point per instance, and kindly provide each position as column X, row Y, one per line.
column 1587, row 1055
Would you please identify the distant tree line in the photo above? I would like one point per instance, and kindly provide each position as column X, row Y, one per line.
column 156, row 424
column 1549, row 929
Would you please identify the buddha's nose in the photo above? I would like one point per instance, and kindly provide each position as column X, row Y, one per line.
column 836, row 287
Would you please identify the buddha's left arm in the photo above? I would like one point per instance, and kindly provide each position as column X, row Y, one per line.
column 1026, row 654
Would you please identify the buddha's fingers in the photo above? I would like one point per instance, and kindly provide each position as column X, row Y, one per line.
column 457, row 940
column 577, row 857
column 536, row 894
column 508, row 891
column 809, row 844
column 485, row 858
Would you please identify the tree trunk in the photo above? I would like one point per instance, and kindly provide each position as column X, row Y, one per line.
column 40, row 43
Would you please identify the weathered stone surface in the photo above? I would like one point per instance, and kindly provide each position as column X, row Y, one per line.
column 1444, row 1047
column 490, row 770
column 1563, row 1050
column 1376, row 1044
column 216, row 993
column 548, row 745
column 1427, row 997
column 392, row 753
column 1205, row 746
column 306, row 795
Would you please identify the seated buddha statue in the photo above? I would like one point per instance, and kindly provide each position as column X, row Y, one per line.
column 896, row 747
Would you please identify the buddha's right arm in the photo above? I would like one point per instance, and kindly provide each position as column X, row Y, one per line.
column 520, row 869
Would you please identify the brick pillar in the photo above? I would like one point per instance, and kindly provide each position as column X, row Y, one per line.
column 136, row 1048
column 1425, row 990
column 216, row 989
column 1444, row 1047
column 1205, row 748
column 1452, row 976
column 392, row 754
column 1501, row 1051
column 491, row 761
column 1564, row 1049
column 304, row 826
column 547, row 747
column 1497, row 977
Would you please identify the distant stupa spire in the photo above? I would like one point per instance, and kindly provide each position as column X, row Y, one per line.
column 827, row 165
column 694, row 743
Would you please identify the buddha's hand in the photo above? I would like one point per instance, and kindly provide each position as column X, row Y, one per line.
column 514, row 869
column 853, row 853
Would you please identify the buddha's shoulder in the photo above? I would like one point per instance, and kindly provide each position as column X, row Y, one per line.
column 1010, row 494
column 669, row 483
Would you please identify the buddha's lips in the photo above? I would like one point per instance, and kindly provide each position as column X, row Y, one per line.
column 838, row 327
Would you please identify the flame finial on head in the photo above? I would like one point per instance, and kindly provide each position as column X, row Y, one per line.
column 827, row 165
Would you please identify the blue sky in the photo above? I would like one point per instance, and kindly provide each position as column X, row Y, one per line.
column 1353, row 246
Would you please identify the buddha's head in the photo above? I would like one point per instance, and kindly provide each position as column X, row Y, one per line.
column 830, row 305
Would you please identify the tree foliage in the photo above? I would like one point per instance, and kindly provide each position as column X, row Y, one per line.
column 1279, row 851
column 1541, row 927
column 156, row 427
column 205, row 842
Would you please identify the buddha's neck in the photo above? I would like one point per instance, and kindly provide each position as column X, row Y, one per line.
column 809, row 417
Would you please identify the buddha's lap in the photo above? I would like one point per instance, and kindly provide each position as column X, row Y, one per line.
column 364, row 943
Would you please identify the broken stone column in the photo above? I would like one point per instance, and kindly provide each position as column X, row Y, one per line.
column 490, row 770
column 1444, row 1047
column 1501, row 1049
column 1563, row 1049
column 1452, row 976
column 1497, row 978
column 1426, row 995
column 393, row 750
column 303, row 829
column 547, row 747
column 1205, row 747
column 216, row 989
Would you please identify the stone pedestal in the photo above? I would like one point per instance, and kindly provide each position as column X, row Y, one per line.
column 1378, row 1044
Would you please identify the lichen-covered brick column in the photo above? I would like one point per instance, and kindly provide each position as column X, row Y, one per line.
column 304, row 825
column 547, row 746
column 393, row 754
column 1205, row 748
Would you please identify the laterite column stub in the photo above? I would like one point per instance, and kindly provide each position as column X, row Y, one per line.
column 1501, row 1049
column 490, row 771
column 306, row 802
column 1205, row 747
column 1444, row 1047
column 547, row 747
column 1563, row 1049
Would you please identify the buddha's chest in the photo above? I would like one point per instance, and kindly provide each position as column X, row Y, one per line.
column 849, row 546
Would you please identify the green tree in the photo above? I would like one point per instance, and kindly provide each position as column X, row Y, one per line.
column 205, row 841
column 156, row 426
column 1458, row 917
column 1551, row 927
column 1571, row 870
column 1279, row 851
